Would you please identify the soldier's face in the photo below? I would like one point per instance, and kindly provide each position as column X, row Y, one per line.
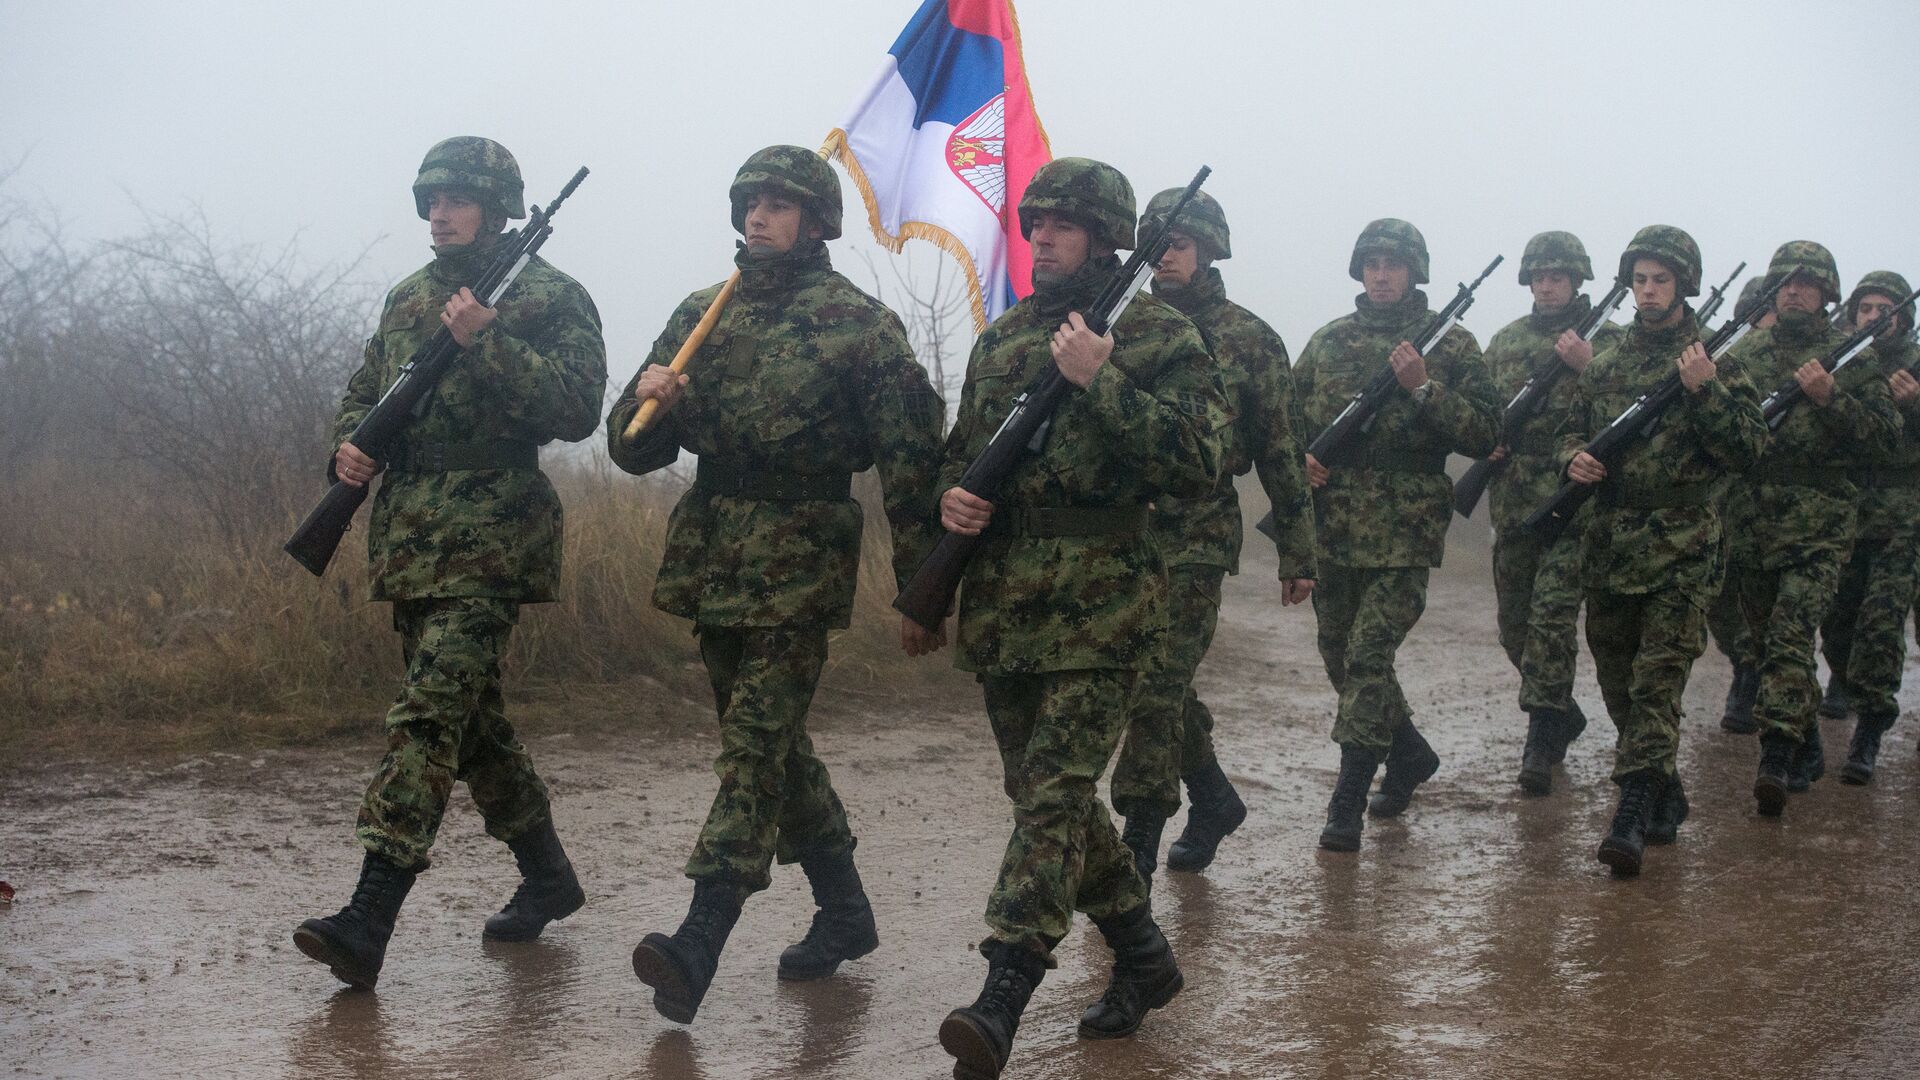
column 1181, row 261
column 1385, row 278
column 1800, row 294
column 1655, row 289
column 774, row 222
column 1060, row 247
column 453, row 217
column 1872, row 306
column 1552, row 289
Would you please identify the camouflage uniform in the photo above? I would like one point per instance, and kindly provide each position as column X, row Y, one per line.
column 1066, row 601
column 1381, row 520
column 804, row 381
column 1169, row 734
column 465, row 527
column 1537, row 584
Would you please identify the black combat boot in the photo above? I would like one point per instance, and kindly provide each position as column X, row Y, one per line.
column 1144, row 976
column 354, row 942
column 1864, row 749
column 1214, row 810
column 681, row 967
column 980, row 1036
column 548, row 888
column 1833, row 703
column 1142, row 837
column 1410, row 763
column 1737, row 717
column 1809, row 761
column 1564, row 726
column 1344, row 817
column 842, row 922
column 1663, row 824
column 1536, row 758
column 1626, row 842
column 1776, row 760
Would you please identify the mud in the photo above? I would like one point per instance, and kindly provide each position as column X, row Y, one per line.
column 1475, row 937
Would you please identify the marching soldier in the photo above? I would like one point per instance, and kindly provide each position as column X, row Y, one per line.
column 1728, row 626
column 464, row 529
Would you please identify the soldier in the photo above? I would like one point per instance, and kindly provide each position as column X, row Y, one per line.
column 1169, row 734
column 1381, row 515
column 1794, row 513
column 1652, row 558
column 1864, row 636
column 1538, row 584
column 804, row 381
column 1065, row 604
column 464, row 529
column 1729, row 627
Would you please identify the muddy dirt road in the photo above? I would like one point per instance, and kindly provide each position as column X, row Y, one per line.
column 1476, row 937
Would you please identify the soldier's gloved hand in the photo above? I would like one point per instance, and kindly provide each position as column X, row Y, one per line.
column 1409, row 367
column 661, row 383
column 1295, row 590
column 1586, row 469
column 1499, row 453
column 466, row 316
column 963, row 512
column 1316, row 472
column 1079, row 351
column 1574, row 351
column 917, row 640
column 353, row 467
column 1696, row 370
column 1816, row 382
column 1903, row 386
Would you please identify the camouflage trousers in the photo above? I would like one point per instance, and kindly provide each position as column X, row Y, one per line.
column 1056, row 732
column 1784, row 604
column 1864, row 636
column 1170, row 731
column 1538, row 588
column 449, row 723
column 1644, row 646
column 1363, row 614
column 1724, row 619
column 775, row 798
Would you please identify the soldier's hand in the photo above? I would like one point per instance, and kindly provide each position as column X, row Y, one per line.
column 1573, row 350
column 660, row 383
column 1586, row 469
column 1696, row 370
column 1316, row 472
column 1903, row 386
column 1816, row 382
column 1295, row 590
column 963, row 512
column 1408, row 365
column 1079, row 351
column 354, row 467
column 1499, row 453
column 917, row 640
column 466, row 316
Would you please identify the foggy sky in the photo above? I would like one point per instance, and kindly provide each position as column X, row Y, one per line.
column 1747, row 124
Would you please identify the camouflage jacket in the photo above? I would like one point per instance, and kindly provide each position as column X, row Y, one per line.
column 1390, row 503
column 1890, row 490
column 1257, row 381
column 537, row 374
column 1800, row 495
column 1655, row 524
column 1520, row 349
column 1147, row 427
column 804, row 375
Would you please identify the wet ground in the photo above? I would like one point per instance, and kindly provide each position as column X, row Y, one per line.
column 1476, row 937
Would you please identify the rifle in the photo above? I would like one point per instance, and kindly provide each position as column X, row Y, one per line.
column 313, row 543
column 1637, row 422
column 1715, row 298
column 1527, row 404
column 929, row 593
column 1781, row 402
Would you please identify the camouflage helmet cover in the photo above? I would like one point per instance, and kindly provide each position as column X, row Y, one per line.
column 796, row 171
column 1091, row 192
column 479, row 166
column 1391, row 236
column 1202, row 219
column 1810, row 258
column 1887, row 284
column 1670, row 246
column 1555, row 250
column 1749, row 296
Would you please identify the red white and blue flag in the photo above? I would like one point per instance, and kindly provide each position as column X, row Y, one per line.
column 943, row 141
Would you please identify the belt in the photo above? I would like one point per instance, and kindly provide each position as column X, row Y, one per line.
column 1800, row 475
column 435, row 457
column 1885, row 478
column 1051, row 521
column 758, row 481
column 1410, row 461
column 1700, row 493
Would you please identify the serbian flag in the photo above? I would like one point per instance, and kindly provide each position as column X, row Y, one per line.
column 943, row 141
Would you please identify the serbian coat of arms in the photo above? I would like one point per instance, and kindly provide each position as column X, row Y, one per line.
column 976, row 152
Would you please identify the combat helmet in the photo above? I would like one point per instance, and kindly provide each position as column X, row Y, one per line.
column 1091, row 192
column 796, row 171
column 1811, row 259
column 479, row 166
column 1202, row 219
column 1391, row 236
column 1886, row 283
column 1749, row 296
column 1670, row 246
column 1555, row 250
